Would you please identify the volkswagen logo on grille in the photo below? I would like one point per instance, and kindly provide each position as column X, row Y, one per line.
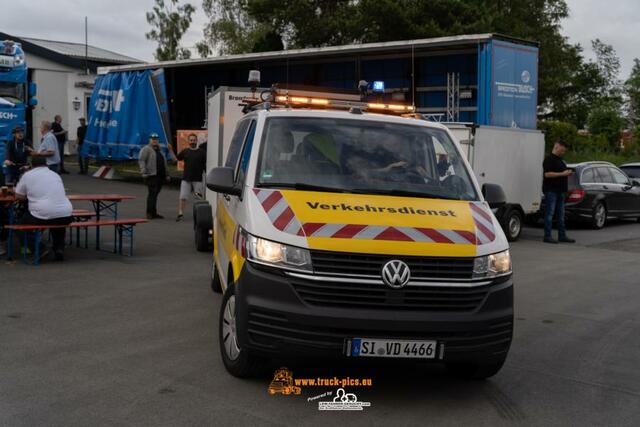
column 395, row 274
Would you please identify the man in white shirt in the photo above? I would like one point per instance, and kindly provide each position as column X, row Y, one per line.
column 48, row 147
column 47, row 201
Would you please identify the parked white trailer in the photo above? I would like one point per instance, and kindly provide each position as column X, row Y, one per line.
column 511, row 158
column 224, row 112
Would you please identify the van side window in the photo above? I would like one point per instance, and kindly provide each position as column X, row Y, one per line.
column 236, row 144
column 246, row 153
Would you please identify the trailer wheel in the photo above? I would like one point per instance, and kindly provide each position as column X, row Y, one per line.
column 512, row 223
column 195, row 208
column 203, row 225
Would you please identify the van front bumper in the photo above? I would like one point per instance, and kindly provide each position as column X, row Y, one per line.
column 274, row 319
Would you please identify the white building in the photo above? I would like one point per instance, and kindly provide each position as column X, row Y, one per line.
column 65, row 74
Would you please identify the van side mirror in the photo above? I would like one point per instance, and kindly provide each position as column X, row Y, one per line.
column 635, row 182
column 494, row 195
column 221, row 180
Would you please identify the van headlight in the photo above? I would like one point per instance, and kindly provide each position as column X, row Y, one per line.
column 275, row 254
column 493, row 265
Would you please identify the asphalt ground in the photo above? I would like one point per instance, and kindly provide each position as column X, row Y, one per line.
column 102, row 339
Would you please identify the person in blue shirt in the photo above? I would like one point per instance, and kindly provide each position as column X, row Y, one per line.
column 16, row 155
column 48, row 147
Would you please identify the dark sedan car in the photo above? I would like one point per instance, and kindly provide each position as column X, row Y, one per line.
column 632, row 170
column 599, row 191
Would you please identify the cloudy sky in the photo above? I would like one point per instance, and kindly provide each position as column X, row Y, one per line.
column 119, row 25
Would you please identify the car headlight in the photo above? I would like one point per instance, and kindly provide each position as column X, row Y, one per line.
column 275, row 254
column 19, row 60
column 493, row 265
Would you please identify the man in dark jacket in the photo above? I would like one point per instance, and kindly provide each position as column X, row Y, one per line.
column 154, row 170
column 555, row 186
column 80, row 134
column 16, row 153
column 61, row 136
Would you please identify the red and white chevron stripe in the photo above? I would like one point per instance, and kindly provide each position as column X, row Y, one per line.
column 483, row 219
column 278, row 211
column 381, row 232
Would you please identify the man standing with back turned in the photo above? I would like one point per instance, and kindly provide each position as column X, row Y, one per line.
column 61, row 137
column 555, row 186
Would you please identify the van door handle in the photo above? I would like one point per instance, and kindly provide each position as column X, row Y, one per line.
column 605, row 187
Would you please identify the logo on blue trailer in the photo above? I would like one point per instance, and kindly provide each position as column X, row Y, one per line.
column 515, row 81
column 378, row 86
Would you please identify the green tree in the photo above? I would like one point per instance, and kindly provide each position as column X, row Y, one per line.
column 169, row 22
column 632, row 92
column 605, row 120
column 608, row 66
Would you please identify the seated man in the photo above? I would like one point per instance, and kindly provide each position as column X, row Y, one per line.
column 47, row 201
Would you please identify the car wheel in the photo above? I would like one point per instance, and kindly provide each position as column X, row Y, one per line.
column 474, row 371
column 239, row 362
column 216, row 285
column 512, row 224
column 598, row 216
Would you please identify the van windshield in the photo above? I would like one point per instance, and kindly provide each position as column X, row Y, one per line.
column 362, row 156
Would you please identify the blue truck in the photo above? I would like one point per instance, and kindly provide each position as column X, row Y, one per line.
column 16, row 92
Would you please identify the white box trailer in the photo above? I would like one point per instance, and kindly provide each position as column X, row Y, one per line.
column 223, row 113
column 511, row 158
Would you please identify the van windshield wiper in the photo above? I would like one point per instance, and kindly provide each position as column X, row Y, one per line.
column 406, row 193
column 302, row 186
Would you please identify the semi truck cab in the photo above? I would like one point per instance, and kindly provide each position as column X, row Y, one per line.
column 16, row 93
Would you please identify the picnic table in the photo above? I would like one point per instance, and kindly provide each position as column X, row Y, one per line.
column 103, row 204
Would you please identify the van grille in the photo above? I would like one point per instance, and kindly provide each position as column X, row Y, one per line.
column 344, row 263
column 379, row 296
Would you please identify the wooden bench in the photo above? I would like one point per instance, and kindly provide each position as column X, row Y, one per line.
column 123, row 227
column 80, row 215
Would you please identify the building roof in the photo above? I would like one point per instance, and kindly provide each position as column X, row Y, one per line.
column 70, row 54
column 77, row 50
column 437, row 42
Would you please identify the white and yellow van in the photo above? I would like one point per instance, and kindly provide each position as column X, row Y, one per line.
column 346, row 233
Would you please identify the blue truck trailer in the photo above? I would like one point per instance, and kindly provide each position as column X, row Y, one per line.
column 16, row 92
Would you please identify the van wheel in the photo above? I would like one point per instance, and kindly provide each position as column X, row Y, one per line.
column 216, row 285
column 238, row 362
column 512, row 224
column 598, row 216
column 474, row 371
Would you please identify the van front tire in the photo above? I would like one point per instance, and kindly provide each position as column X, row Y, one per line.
column 216, row 285
column 238, row 362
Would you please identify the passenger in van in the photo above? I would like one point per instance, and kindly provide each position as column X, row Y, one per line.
column 319, row 153
column 280, row 143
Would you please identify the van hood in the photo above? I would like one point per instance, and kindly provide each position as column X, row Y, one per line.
column 375, row 223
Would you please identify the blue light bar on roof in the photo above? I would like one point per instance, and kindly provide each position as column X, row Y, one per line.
column 378, row 86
